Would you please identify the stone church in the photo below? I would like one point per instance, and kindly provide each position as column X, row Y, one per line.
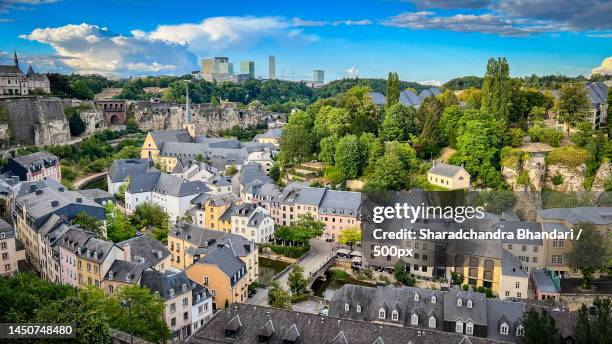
column 14, row 82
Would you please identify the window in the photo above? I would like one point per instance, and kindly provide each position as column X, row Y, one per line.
column 507, row 293
column 519, row 295
column 469, row 304
column 185, row 302
column 558, row 242
column 459, row 326
column 557, row 259
column 414, row 319
column 520, row 331
column 5, row 256
column 416, row 296
column 432, row 322
column 205, row 280
column 173, row 322
column 535, row 249
column 503, row 329
column 381, row 313
column 469, row 328
column 433, row 299
column 185, row 315
column 510, row 246
column 358, row 308
column 346, row 307
column 517, row 285
column 459, row 302
column 3, row 246
column 7, row 267
column 173, row 308
column 394, row 315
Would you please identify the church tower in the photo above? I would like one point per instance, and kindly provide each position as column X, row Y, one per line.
column 188, row 121
column 15, row 60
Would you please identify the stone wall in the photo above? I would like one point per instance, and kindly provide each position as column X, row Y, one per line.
column 603, row 174
column 36, row 121
column 94, row 121
column 572, row 178
column 206, row 118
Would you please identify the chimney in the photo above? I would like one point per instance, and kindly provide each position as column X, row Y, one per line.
column 54, row 203
column 79, row 200
column 127, row 252
column 38, row 191
column 61, row 189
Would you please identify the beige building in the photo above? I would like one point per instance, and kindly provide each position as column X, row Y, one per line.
column 448, row 176
column 14, row 82
column 11, row 250
column 514, row 279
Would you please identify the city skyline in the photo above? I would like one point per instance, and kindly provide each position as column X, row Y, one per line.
column 428, row 41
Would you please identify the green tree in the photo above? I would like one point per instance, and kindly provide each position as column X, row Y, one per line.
column 447, row 127
column 516, row 136
column 296, row 280
column 149, row 215
column 429, row 114
column 400, row 121
column 296, row 143
column 573, row 103
column 401, row 275
column 81, row 90
column 364, row 113
column 350, row 156
column 496, row 88
column 332, row 120
column 76, row 124
column 231, row 170
column 388, row 174
column 589, row 253
column 278, row 297
column 393, row 89
column 583, row 327
column 89, row 223
column 584, row 134
column 328, row 149
column 539, row 327
column 275, row 172
column 405, row 153
column 301, row 231
column 118, row 226
column 146, row 314
column 350, row 237
column 448, row 98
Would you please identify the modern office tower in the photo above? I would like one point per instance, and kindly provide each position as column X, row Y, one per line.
column 271, row 67
column 318, row 76
column 207, row 67
column 231, row 68
column 218, row 67
column 247, row 67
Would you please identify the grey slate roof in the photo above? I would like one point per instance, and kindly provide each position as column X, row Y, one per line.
column 409, row 98
column 165, row 184
column 36, row 159
column 168, row 283
column 177, row 135
column 272, row 133
column 346, row 203
column 199, row 290
column 122, row 168
column 477, row 314
column 313, row 329
column 125, row 271
column 595, row 215
column 95, row 249
column 97, row 195
column 446, row 170
column 6, row 230
column 224, row 258
column 597, row 92
column 251, row 172
column 378, row 98
column 434, row 91
column 511, row 265
column 543, row 281
column 146, row 250
column 504, row 311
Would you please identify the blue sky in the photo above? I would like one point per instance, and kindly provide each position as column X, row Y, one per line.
column 423, row 40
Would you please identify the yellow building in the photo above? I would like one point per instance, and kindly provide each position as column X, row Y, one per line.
column 271, row 136
column 94, row 259
column 214, row 211
column 154, row 142
column 479, row 262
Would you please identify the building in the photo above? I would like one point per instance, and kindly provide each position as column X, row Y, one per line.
column 448, row 176
column 201, row 306
column 218, row 68
column 175, row 289
column 247, row 68
column 114, row 110
column 252, row 222
column 514, row 281
column 263, row 159
column 122, row 169
column 209, row 214
column 67, row 247
column 479, row 262
column 597, row 93
column 147, row 251
column 271, row 67
column 11, row 250
column 14, row 82
column 34, row 166
column 546, row 284
column 99, row 196
column 122, row 273
column 318, row 76
column 530, row 252
column 243, row 323
column 172, row 194
column 271, row 136
column 453, row 311
column 94, row 259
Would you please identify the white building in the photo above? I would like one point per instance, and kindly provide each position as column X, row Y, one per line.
column 14, row 82
column 201, row 306
column 514, row 279
column 263, row 159
column 252, row 222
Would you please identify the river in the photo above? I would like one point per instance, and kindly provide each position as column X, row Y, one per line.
column 268, row 268
column 334, row 280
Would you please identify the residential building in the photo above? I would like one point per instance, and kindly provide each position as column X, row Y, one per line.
column 530, row 252
column 271, row 136
column 121, row 170
column 14, row 82
column 11, row 250
column 514, row 280
column 155, row 140
column 448, row 176
column 597, row 92
column 37, row 202
column 171, row 193
column 94, row 259
column 175, row 289
column 99, row 196
column 219, row 185
column 34, row 166
column 201, row 306
column 147, row 251
column 244, row 323
column 210, row 214
column 249, row 173
column 122, row 273
column 546, row 284
column 67, row 247
column 263, row 159
column 252, row 222
column 453, row 311
column 48, row 237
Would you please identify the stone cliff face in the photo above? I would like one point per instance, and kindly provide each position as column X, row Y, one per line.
column 94, row 121
column 206, row 118
column 603, row 174
column 36, row 121
column 566, row 179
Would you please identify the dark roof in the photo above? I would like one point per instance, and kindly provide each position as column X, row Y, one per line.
column 311, row 328
column 10, row 69
column 6, row 230
column 514, row 226
column 504, row 311
column 177, row 135
column 36, row 159
column 543, row 281
column 97, row 195
column 121, row 169
column 125, row 271
column 168, row 284
column 446, row 170
column 146, row 250
column 165, row 184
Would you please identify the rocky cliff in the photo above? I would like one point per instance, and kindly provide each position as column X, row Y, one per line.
column 604, row 173
column 565, row 179
column 206, row 118
column 36, row 121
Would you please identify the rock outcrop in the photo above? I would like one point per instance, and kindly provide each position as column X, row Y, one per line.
column 94, row 121
column 36, row 121
column 565, row 179
column 604, row 173
column 206, row 118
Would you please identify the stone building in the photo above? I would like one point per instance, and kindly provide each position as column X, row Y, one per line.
column 14, row 82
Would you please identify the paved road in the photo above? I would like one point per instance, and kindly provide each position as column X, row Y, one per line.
column 320, row 253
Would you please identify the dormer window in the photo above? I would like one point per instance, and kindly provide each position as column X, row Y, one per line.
column 171, row 292
column 358, row 308
column 459, row 326
column 381, row 313
column 459, row 302
column 432, row 322
column 520, row 331
column 416, row 296
column 394, row 315
column 469, row 328
column 503, row 329
column 346, row 307
column 469, row 304
column 433, row 299
column 414, row 319
column 184, row 287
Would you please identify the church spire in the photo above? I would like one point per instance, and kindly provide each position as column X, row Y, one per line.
column 15, row 60
column 187, row 106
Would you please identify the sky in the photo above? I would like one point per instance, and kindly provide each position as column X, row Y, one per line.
column 428, row 41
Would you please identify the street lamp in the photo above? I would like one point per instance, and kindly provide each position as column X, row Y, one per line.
column 128, row 304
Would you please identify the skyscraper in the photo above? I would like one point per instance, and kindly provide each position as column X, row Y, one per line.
column 318, row 76
column 271, row 67
column 215, row 68
column 247, row 67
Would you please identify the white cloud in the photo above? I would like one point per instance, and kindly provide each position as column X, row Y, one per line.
column 352, row 72
column 87, row 48
column 303, row 22
column 7, row 5
column 431, row 83
column 605, row 68
column 352, row 22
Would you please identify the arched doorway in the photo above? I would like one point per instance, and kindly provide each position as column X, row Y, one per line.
column 114, row 119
